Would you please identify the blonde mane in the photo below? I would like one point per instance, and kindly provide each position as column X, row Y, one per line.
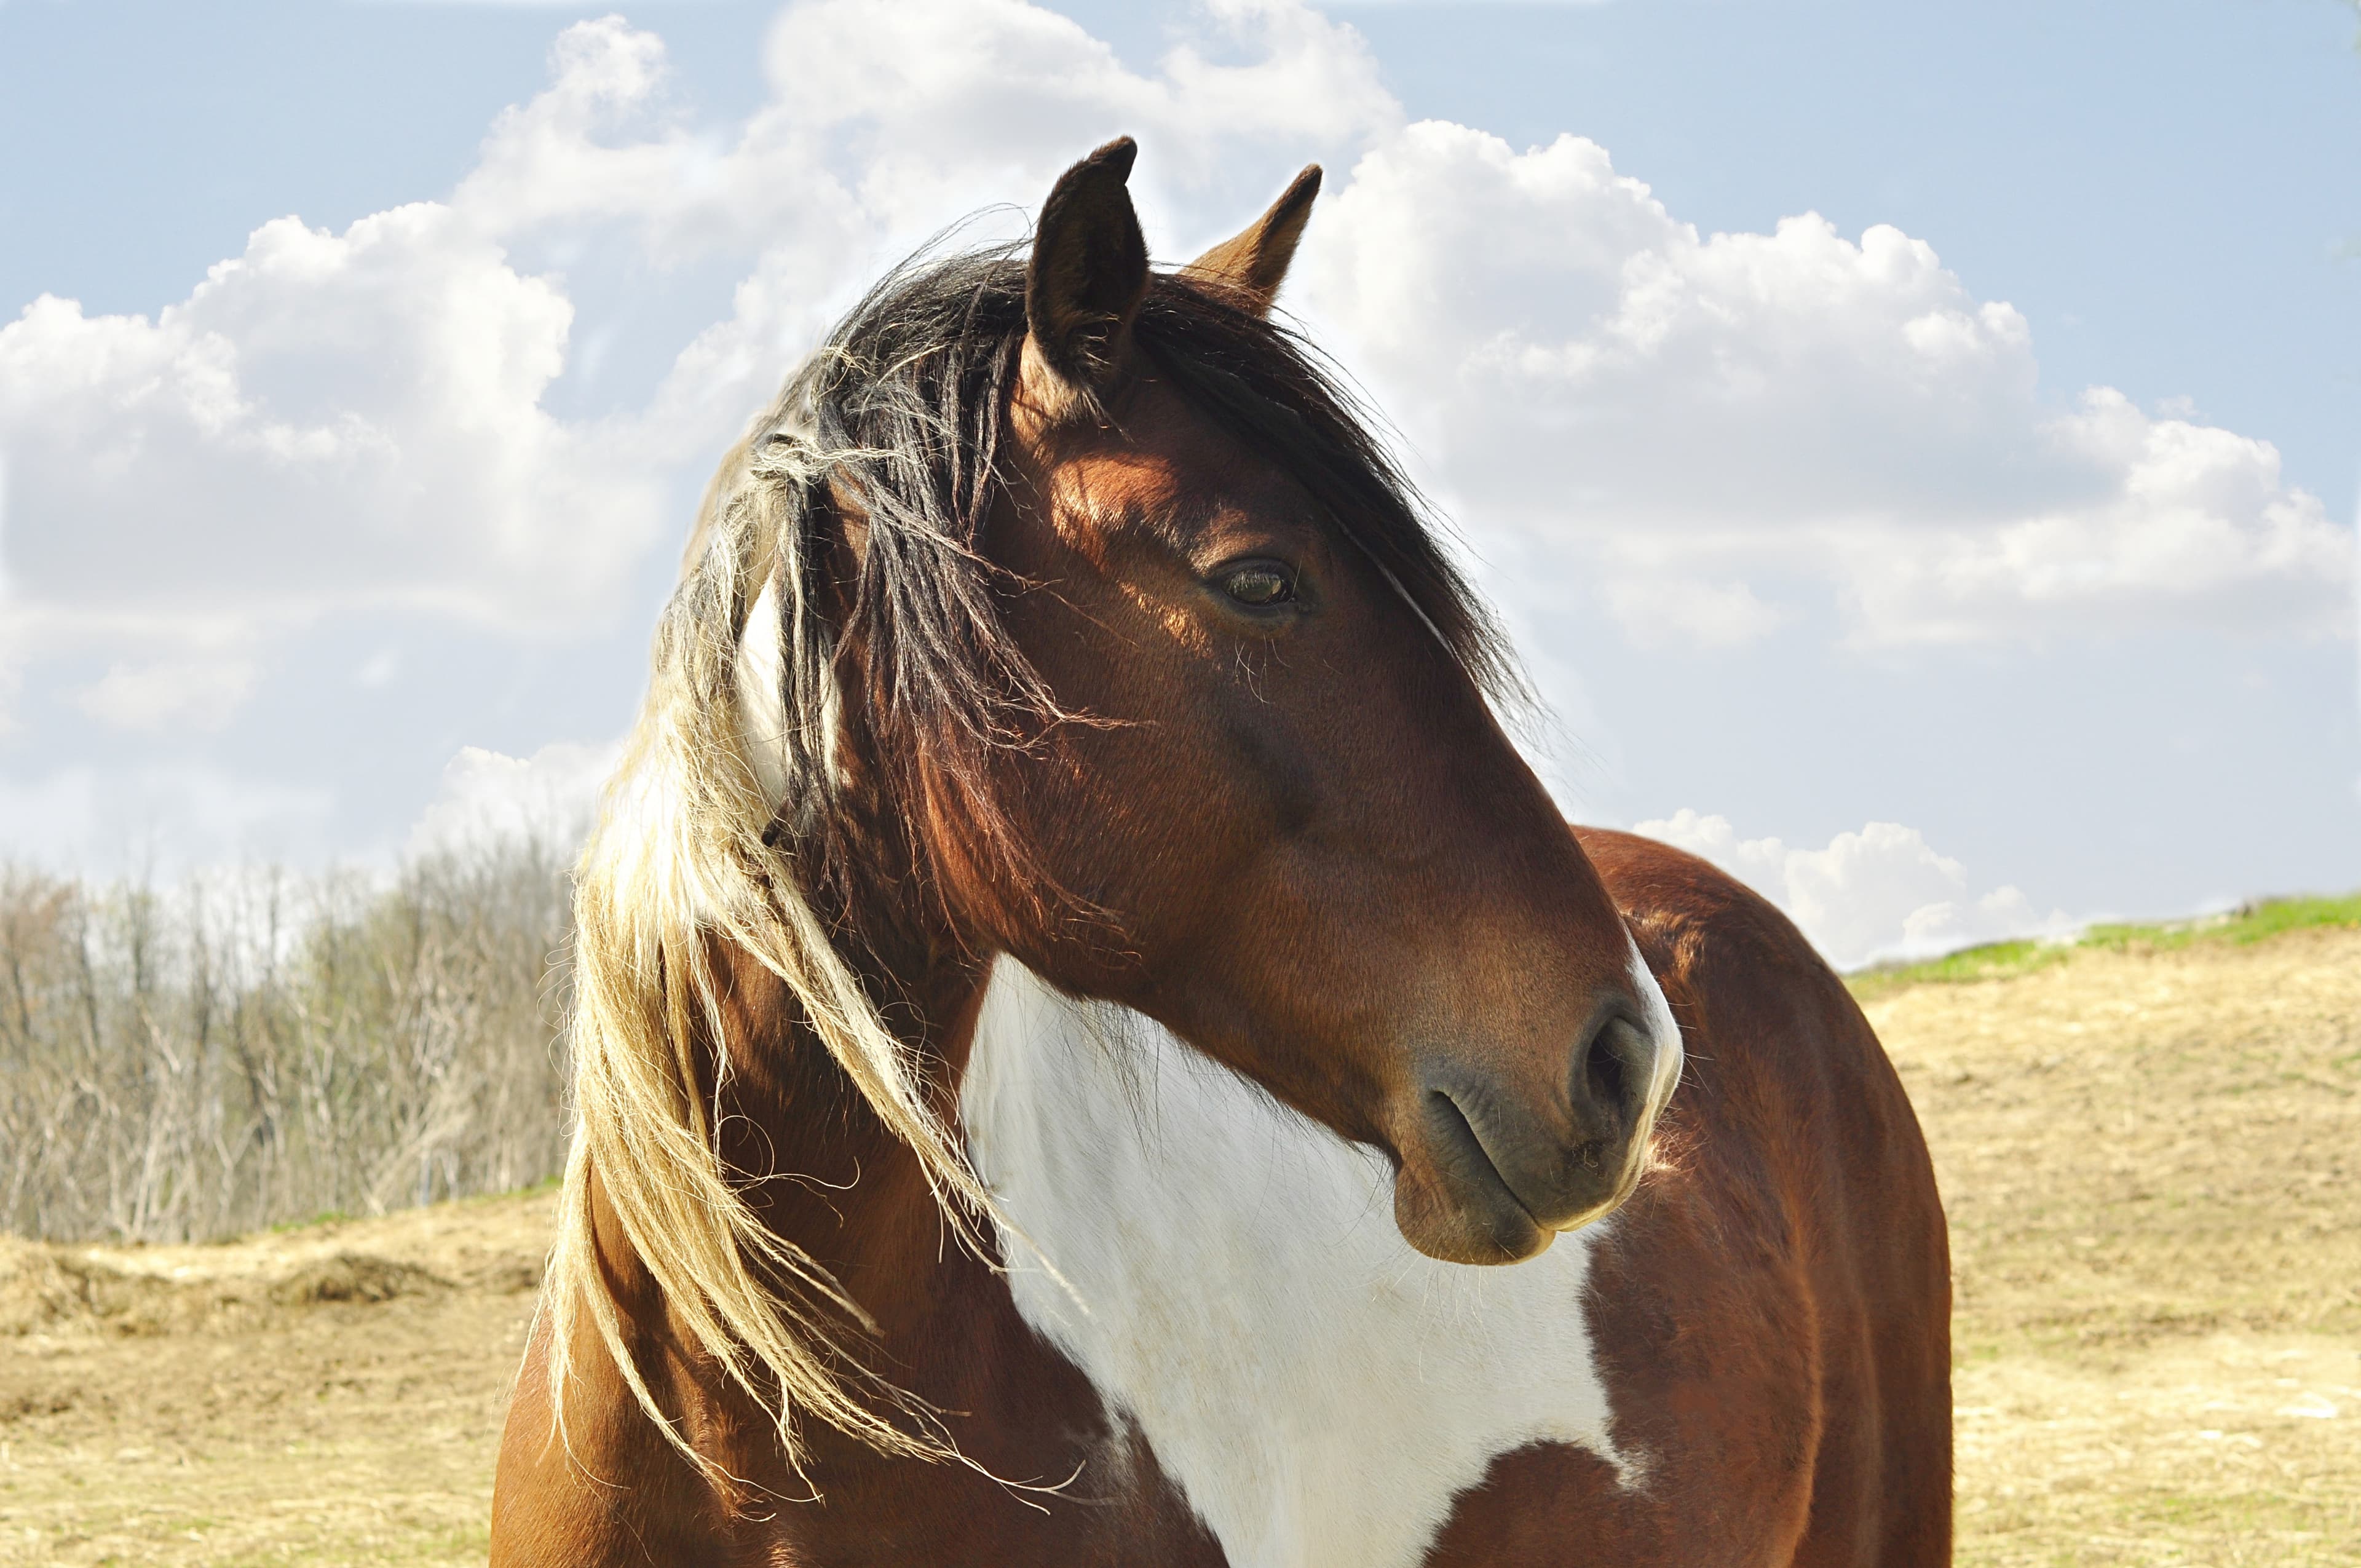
column 680, row 859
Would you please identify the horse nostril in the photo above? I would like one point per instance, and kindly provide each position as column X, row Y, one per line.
column 1610, row 1074
column 1604, row 1073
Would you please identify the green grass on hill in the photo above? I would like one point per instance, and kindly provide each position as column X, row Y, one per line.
column 2001, row 961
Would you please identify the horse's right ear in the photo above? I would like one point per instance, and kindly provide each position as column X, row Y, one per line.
column 1252, row 264
column 1084, row 283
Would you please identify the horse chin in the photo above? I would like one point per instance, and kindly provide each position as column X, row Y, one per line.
column 1453, row 1202
column 1457, row 1213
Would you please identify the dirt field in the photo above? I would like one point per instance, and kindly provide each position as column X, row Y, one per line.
column 327, row 1396
column 2149, row 1160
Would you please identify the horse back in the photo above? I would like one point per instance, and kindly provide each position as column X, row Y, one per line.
column 1771, row 1308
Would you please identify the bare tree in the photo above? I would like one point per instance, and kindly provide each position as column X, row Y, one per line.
column 236, row 1052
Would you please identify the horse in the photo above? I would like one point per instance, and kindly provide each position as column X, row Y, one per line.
column 1090, row 1045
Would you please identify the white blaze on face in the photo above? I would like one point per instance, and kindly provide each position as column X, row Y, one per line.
column 1318, row 1389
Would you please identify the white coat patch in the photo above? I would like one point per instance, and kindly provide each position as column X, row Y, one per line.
column 1319, row 1390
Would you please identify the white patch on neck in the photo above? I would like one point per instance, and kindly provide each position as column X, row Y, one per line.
column 1319, row 1390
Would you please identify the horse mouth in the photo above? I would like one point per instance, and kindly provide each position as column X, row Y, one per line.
column 1477, row 1183
column 1453, row 1203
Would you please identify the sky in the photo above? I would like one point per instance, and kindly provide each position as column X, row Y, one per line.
column 1914, row 447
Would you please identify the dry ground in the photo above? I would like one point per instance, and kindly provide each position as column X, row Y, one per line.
column 2148, row 1159
column 327, row 1396
column 2149, row 1162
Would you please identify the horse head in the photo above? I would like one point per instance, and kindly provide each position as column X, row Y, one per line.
column 1249, row 778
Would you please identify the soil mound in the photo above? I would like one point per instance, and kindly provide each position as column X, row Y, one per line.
column 52, row 1290
column 489, row 1247
column 358, row 1278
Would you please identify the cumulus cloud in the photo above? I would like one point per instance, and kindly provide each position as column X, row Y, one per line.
column 882, row 125
column 328, row 422
column 894, row 119
column 1669, row 409
column 1685, row 426
column 1882, row 892
column 338, row 423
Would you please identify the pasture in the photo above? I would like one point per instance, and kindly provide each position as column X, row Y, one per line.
column 2147, row 1146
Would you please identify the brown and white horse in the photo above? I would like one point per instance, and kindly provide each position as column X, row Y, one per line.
column 1072, row 978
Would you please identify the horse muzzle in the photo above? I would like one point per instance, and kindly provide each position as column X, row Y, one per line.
column 1492, row 1167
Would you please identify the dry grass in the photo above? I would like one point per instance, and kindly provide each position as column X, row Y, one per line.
column 328, row 1395
column 2148, row 1156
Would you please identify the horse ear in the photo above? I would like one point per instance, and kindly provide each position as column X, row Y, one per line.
column 1252, row 264
column 1088, row 273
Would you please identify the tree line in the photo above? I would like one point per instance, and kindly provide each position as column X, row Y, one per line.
column 237, row 1051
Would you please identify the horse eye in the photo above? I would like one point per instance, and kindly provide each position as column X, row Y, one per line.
column 1259, row 586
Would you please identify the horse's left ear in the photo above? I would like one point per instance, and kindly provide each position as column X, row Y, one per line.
column 1087, row 277
column 1252, row 264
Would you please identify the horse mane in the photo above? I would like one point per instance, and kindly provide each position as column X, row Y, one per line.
column 708, row 834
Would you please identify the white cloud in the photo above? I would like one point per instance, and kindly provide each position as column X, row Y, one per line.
column 173, row 694
column 334, row 422
column 1882, row 892
column 363, row 421
column 2195, row 525
column 489, row 797
column 1665, row 609
column 327, row 421
column 1668, row 409
column 885, row 124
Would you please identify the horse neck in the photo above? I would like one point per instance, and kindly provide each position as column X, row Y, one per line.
column 841, row 1186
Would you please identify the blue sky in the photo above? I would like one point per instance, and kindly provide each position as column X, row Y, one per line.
column 1974, row 555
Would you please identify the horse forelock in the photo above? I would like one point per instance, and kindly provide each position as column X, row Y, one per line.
column 731, row 800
